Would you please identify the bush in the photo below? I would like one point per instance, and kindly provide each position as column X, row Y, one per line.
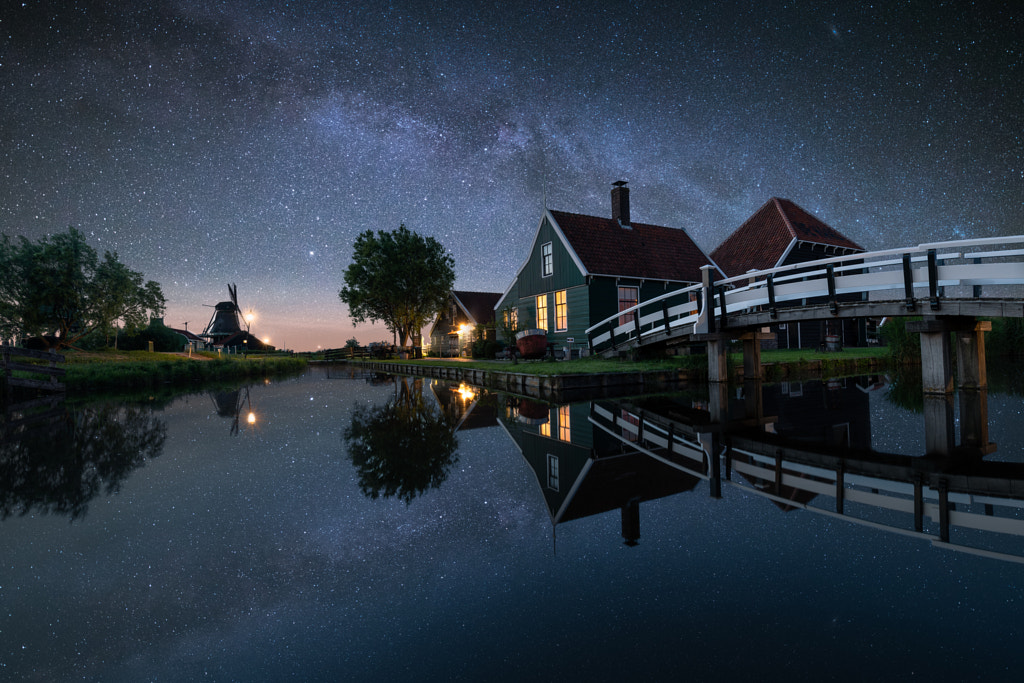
column 164, row 339
column 904, row 347
column 1006, row 338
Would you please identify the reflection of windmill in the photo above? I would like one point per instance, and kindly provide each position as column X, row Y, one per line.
column 230, row 404
column 226, row 320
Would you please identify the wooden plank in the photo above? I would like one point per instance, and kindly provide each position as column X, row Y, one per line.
column 40, row 369
column 35, row 384
column 30, row 353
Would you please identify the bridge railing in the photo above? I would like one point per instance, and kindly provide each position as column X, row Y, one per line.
column 919, row 277
column 673, row 311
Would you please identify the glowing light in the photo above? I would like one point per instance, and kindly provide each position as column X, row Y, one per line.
column 463, row 328
column 251, row 419
column 266, row 340
column 466, row 393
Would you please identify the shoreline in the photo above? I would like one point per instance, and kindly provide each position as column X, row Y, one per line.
column 576, row 386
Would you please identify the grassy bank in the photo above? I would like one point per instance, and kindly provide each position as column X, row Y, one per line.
column 136, row 370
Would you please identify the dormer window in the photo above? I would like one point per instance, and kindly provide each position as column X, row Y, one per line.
column 547, row 260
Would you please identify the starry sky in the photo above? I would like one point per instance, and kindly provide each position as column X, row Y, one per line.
column 232, row 141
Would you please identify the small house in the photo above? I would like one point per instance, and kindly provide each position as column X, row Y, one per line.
column 583, row 269
column 454, row 329
column 781, row 233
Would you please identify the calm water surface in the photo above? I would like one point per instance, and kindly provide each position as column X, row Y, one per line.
column 386, row 530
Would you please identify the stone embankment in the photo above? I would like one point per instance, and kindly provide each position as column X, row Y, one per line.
column 549, row 387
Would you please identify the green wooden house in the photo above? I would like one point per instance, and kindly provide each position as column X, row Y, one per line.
column 582, row 269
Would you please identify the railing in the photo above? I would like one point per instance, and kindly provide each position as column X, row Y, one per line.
column 919, row 278
column 681, row 451
column 11, row 356
column 900, row 495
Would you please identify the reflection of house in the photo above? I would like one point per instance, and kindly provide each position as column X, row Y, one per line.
column 583, row 269
column 584, row 471
column 781, row 233
column 832, row 416
column 453, row 332
column 465, row 406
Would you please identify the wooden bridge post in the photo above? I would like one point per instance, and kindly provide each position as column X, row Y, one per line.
column 936, row 356
column 974, row 422
column 718, row 348
column 751, row 356
column 936, row 367
column 939, row 437
column 970, row 356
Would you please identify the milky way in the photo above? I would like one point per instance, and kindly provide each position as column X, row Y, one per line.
column 217, row 142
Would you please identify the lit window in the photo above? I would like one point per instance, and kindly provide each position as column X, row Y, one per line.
column 628, row 297
column 561, row 311
column 545, row 428
column 553, row 472
column 542, row 312
column 547, row 260
column 564, row 424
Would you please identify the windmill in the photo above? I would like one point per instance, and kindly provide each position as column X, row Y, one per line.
column 226, row 319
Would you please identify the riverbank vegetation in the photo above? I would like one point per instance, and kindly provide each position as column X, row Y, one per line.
column 110, row 370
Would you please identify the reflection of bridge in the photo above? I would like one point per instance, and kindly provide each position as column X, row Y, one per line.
column 950, row 283
column 951, row 486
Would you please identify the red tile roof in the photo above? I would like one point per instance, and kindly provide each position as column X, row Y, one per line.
column 765, row 237
column 641, row 251
column 479, row 304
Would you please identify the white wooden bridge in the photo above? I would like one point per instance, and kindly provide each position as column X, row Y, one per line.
column 950, row 284
column 951, row 488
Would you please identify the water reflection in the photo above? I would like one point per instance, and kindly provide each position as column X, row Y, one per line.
column 404, row 447
column 802, row 446
column 236, row 405
column 55, row 460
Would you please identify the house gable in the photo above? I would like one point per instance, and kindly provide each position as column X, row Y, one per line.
column 567, row 269
column 472, row 308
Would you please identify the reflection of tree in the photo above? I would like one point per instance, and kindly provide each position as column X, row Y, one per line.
column 905, row 389
column 402, row 448
column 58, row 464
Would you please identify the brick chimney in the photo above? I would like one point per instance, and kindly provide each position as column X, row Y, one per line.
column 620, row 203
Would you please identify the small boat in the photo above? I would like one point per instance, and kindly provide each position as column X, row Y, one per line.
column 532, row 343
column 532, row 412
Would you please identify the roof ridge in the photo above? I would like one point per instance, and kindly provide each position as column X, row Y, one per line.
column 785, row 217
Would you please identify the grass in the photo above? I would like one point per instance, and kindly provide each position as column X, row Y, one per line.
column 110, row 371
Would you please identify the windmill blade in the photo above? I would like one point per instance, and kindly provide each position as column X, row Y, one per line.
column 233, row 292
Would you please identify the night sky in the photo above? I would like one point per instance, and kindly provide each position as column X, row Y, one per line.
column 250, row 142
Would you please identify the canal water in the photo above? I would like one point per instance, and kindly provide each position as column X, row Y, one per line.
column 345, row 527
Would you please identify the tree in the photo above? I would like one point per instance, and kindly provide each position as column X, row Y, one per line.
column 121, row 295
column 57, row 287
column 399, row 278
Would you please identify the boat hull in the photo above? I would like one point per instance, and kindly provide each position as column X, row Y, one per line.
column 532, row 343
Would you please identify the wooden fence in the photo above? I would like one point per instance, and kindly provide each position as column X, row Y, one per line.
column 12, row 358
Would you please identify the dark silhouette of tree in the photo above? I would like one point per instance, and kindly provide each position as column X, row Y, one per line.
column 58, row 288
column 58, row 461
column 402, row 448
column 399, row 278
